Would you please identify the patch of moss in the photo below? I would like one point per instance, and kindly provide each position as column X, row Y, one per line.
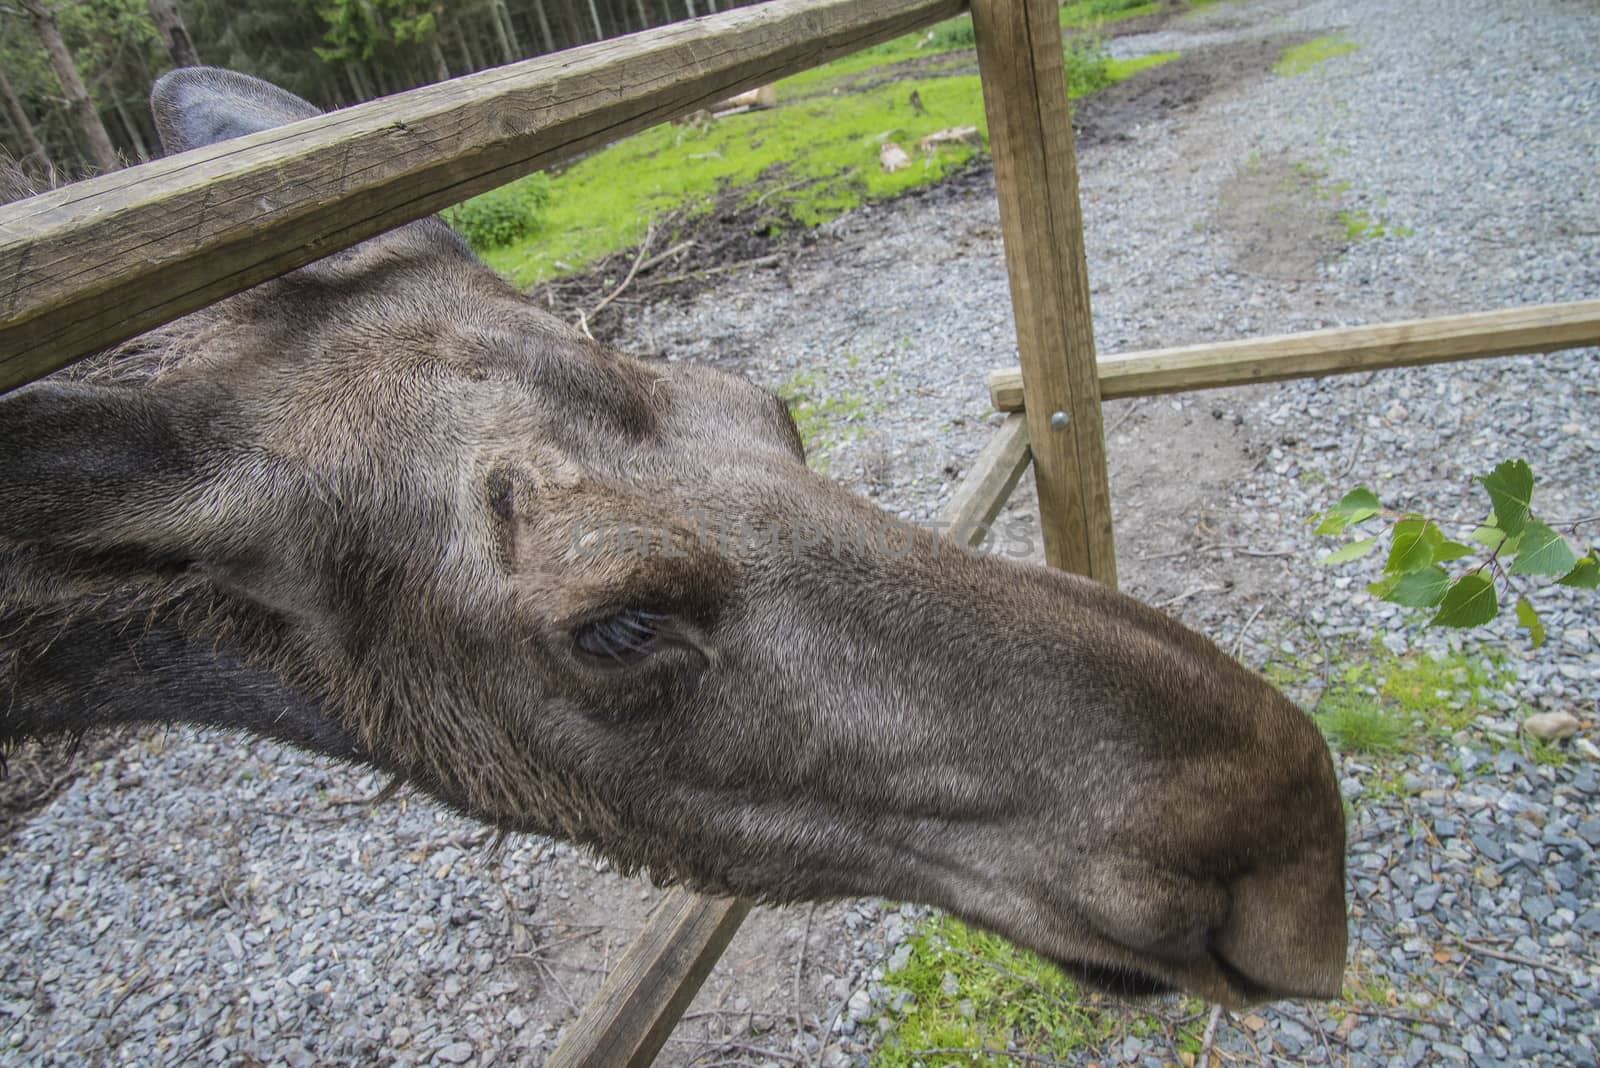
column 1359, row 223
column 1363, row 989
column 1123, row 69
column 1303, row 57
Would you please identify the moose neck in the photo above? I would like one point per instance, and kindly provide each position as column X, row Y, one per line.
column 69, row 671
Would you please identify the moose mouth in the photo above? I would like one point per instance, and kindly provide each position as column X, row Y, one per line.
column 1126, row 982
column 1246, row 988
column 1119, row 982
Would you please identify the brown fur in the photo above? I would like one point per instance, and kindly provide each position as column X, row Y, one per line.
column 348, row 508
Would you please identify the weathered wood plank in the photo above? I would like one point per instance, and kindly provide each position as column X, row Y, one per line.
column 989, row 484
column 1344, row 350
column 91, row 264
column 641, row 1000
column 1030, row 132
column 639, row 1003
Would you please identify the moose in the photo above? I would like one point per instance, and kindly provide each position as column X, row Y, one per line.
column 365, row 509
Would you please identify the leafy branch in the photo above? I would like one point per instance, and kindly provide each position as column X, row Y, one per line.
column 1511, row 545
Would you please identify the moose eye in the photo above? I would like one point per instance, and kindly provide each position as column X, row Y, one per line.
column 502, row 492
column 620, row 639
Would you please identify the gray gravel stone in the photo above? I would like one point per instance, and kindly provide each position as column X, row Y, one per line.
column 455, row 1053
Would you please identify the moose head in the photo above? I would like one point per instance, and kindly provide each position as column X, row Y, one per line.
column 387, row 509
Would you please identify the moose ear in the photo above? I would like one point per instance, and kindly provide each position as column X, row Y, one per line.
column 114, row 469
column 197, row 106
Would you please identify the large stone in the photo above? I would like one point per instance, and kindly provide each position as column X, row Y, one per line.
column 1551, row 726
column 455, row 1053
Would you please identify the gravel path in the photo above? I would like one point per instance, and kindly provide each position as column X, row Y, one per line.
column 206, row 900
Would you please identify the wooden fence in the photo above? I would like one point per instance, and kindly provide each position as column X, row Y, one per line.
column 95, row 263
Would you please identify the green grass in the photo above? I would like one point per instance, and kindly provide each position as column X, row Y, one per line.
column 1359, row 225
column 802, row 163
column 1355, row 723
column 952, row 35
column 964, row 990
column 1542, row 752
column 1091, row 13
column 948, row 36
column 1303, row 57
column 814, row 160
column 1380, row 704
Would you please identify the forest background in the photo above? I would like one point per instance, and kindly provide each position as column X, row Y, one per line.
column 75, row 75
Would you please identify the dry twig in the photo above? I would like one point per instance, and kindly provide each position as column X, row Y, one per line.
column 1186, row 594
column 1210, row 1037
column 799, row 970
column 1238, row 641
column 644, row 248
column 1009, row 1054
column 759, row 261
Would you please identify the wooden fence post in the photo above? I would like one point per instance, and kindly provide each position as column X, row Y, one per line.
column 1030, row 135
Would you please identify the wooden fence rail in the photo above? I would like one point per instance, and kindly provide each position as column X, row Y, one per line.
column 94, row 263
column 1344, row 350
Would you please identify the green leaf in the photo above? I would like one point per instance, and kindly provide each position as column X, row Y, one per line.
column 1510, row 488
column 1529, row 619
column 1354, row 551
column 1585, row 576
column 1495, row 540
column 1471, row 601
column 1489, row 536
column 1381, row 588
column 1415, row 540
column 1543, row 552
column 1355, row 506
column 1451, row 550
column 1419, row 589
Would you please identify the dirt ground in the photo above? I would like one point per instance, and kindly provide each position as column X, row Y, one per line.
column 788, row 972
